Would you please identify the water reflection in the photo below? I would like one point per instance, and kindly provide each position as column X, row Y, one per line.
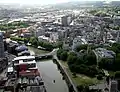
column 36, row 51
column 50, row 73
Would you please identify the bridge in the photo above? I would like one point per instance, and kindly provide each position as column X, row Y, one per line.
column 46, row 56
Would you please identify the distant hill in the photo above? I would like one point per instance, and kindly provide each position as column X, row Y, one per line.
column 78, row 4
column 115, row 3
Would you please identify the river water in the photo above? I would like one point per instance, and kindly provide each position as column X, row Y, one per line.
column 50, row 72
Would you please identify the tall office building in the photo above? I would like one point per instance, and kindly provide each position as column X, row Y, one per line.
column 1, row 46
column 66, row 20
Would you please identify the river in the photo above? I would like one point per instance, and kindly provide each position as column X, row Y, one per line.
column 50, row 72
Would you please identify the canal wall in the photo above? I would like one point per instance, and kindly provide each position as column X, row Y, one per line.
column 69, row 82
column 43, row 57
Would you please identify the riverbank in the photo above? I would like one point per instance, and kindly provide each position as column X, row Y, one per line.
column 70, row 84
column 37, row 51
column 50, row 72
column 80, row 79
column 72, row 87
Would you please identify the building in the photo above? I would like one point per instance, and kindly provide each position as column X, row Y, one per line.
column 104, row 53
column 39, row 32
column 54, row 37
column 66, row 20
column 78, row 41
column 43, row 38
column 116, row 20
column 113, row 86
column 61, row 34
column 1, row 46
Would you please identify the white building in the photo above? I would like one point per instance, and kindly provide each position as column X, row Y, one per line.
column 39, row 32
column 54, row 37
column 78, row 41
column 43, row 38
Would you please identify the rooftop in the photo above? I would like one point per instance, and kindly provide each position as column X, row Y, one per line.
column 102, row 52
column 24, row 58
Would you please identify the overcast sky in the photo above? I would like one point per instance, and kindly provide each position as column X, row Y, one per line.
column 44, row 1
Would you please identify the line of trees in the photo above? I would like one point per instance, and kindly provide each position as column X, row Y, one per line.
column 13, row 25
column 34, row 42
column 112, row 64
column 83, row 63
column 18, row 39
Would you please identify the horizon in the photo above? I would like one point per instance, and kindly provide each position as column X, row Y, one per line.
column 45, row 2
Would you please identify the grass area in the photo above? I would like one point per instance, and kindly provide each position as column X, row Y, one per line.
column 80, row 79
column 85, row 80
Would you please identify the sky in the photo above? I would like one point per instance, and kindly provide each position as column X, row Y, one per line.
column 42, row 2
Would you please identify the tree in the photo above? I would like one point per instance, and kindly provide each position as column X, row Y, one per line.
column 64, row 56
column 93, row 12
column 106, row 63
column 117, row 74
column 91, row 60
column 116, row 64
column 60, row 44
column 59, row 53
column 100, row 77
column 80, row 60
column 71, row 59
column 81, row 47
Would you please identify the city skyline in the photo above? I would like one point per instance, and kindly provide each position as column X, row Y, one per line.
column 43, row 2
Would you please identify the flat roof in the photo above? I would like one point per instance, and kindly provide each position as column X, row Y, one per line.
column 28, row 62
column 24, row 57
column 10, row 69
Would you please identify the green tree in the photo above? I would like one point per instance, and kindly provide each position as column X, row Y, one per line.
column 91, row 60
column 59, row 52
column 64, row 56
column 106, row 63
column 71, row 59
column 81, row 47
column 117, row 74
column 34, row 41
column 60, row 44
